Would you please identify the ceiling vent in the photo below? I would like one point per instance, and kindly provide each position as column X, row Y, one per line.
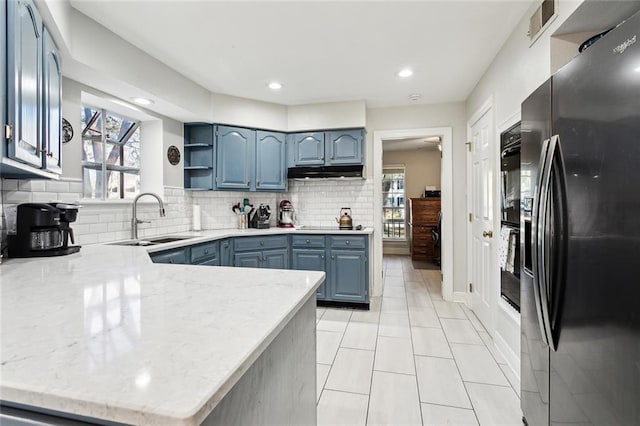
column 541, row 18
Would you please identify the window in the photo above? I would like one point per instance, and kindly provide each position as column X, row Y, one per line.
column 393, row 205
column 110, row 155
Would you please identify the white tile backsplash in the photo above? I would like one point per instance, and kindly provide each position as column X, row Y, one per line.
column 317, row 202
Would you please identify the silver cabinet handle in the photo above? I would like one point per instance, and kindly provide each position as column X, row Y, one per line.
column 333, row 256
column 348, row 242
column 322, row 157
column 261, row 243
column 206, row 252
column 308, row 241
column 322, row 256
column 257, row 183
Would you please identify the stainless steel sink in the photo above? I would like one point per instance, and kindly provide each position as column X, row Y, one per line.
column 149, row 241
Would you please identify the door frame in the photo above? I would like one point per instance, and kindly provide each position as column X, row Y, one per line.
column 446, row 186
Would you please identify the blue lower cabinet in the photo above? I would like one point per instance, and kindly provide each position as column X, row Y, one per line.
column 311, row 260
column 250, row 259
column 226, row 252
column 177, row 256
column 275, row 259
column 347, row 271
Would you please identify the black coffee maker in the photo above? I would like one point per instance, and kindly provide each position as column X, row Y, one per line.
column 43, row 230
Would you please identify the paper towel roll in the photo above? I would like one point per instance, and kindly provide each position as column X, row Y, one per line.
column 197, row 223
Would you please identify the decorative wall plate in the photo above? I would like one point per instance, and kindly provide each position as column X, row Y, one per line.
column 173, row 154
column 67, row 131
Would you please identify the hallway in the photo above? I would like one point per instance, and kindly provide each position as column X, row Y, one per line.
column 413, row 359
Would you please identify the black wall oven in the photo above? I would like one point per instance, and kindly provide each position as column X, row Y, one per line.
column 510, row 210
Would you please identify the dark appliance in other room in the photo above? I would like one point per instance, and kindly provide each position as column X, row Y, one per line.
column 43, row 230
column 285, row 214
column 510, row 209
column 432, row 193
column 580, row 312
column 260, row 218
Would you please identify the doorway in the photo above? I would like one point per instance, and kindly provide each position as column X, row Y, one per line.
column 382, row 137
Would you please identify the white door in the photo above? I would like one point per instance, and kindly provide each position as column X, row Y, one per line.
column 483, row 296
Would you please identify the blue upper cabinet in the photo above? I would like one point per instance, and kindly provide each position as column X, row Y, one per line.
column 235, row 148
column 326, row 148
column 24, row 42
column 308, row 149
column 199, row 156
column 271, row 169
column 344, row 147
column 52, row 108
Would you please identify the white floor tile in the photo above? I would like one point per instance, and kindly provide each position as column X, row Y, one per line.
column 477, row 365
column 449, row 309
column 319, row 313
column 473, row 318
column 392, row 305
column 495, row 405
column 424, row 317
column 322, row 372
column 419, row 299
column 394, row 325
column 488, row 341
column 372, row 317
column 430, row 342
column 396, row 280
column 360, row 335
column 413, row 276
column 351, row 371
column 394, row 291
column 439, row 415
column 394, row 355
column 334, row 320
column 394, row 400
column 340, row 408
column 327, row 346
column 440, row 383
column 460, row 331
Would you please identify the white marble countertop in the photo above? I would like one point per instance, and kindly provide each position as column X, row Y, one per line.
column 105, row 333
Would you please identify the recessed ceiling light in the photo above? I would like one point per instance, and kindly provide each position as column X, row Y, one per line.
column 405, row 73
column 142, row 101
column 415, row 96
column 274, row 85
column 637, row 69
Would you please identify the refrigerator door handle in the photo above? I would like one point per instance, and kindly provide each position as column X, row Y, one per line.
column 537, row 239
column 545, row 273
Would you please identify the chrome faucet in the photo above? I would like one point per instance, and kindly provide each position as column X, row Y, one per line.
column 135, row 221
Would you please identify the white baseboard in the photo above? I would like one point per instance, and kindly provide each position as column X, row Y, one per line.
column 513, row 359
column 463, row 297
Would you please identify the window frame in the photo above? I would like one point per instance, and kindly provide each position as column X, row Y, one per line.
column 103, row 166
column 395, row 169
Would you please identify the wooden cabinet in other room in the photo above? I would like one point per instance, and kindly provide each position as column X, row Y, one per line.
column 424, row 216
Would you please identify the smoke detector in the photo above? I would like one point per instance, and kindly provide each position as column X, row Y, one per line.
column 415, row 96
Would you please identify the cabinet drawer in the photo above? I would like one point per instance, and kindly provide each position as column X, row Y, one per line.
column 350, row 242
column 258, row 243
column 205, row 251
column 419, row 231
column 315, row 241
column 179, row 255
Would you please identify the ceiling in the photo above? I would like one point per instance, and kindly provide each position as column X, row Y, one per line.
column 320, row 51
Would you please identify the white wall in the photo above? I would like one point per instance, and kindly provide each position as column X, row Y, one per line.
column 334, row 115
column 426, row 116
column 247, row 112
column 421, row 168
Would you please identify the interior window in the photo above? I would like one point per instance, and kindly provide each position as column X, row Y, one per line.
column 110, row 155
column 393, row 203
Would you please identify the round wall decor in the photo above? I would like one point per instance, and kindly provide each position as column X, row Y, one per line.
column 173, row 154
column 67, row 131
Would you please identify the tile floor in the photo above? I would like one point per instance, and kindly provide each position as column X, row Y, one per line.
column 413, row 359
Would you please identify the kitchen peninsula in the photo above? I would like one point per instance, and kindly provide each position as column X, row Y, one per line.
column 107, row 336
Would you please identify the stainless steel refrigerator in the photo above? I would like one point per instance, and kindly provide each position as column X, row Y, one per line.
column 580, row 239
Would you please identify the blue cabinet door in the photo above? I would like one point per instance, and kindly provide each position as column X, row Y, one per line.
column 275, row 259
column 52, row 100
column 177, row 256
column 271, row 169
column 235, row 149
column 344, row 147
column 250, row 259
column 308, row 148
column 347, row 276
column 24, row 42
column 226, row 258
column 311, row 260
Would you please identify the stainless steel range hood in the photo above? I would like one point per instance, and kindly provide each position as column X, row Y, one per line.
column 326, row 172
